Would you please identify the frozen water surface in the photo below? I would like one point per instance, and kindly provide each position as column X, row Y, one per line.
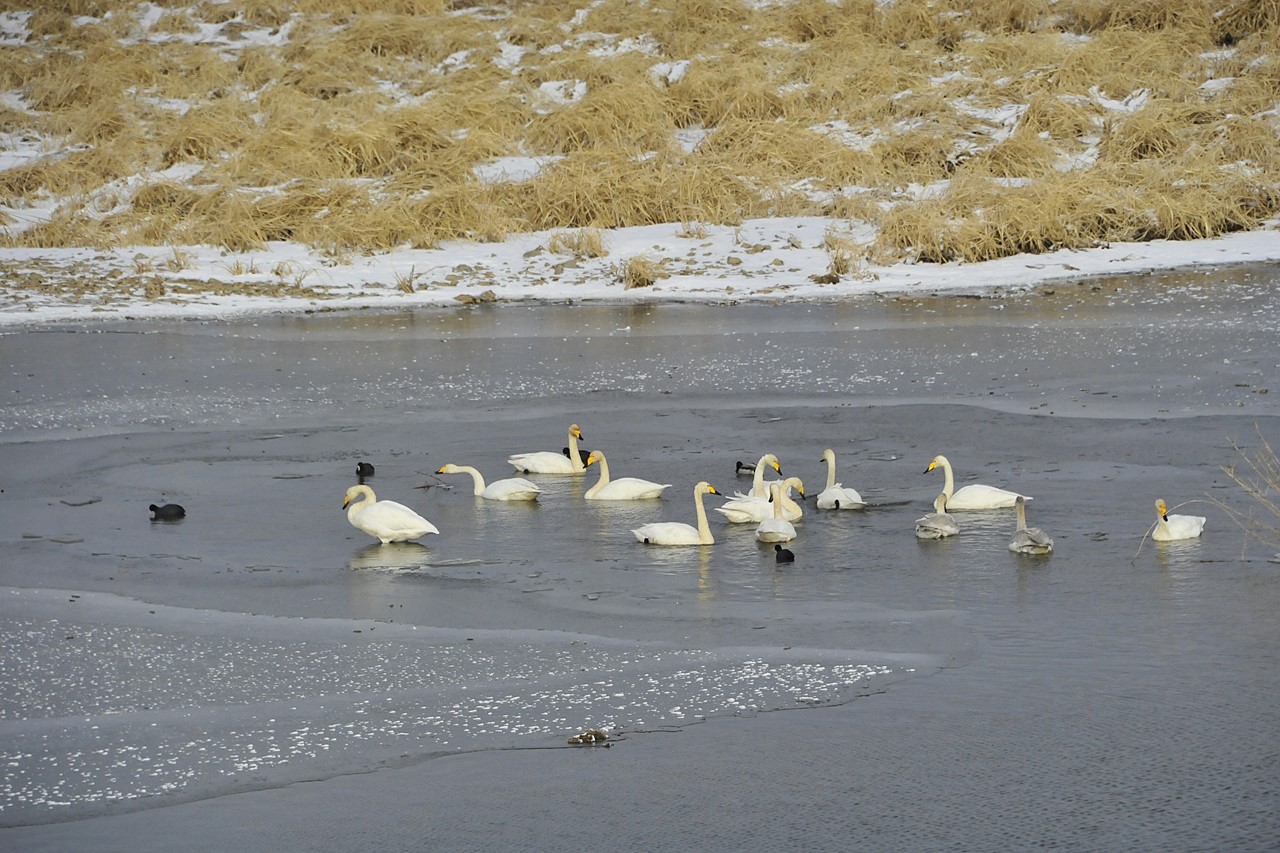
column 941, row 693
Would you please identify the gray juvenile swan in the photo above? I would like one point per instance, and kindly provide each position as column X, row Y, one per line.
column 1028, row 540
column 937, row 525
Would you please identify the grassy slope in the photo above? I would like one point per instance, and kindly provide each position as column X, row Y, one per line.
column 1032, row 125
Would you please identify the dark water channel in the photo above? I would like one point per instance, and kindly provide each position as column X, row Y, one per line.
column 881, row 692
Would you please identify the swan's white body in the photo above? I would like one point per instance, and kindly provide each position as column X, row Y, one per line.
column 1028, row 540
column 974, row 496
column 937, row 525
column 547, row 462
column 510, row 489
column 1170, row 528
column 776, row 528
column 835, row 495
column 750, row 509
column 623, row 488
column 677, row 532
column 386, row 521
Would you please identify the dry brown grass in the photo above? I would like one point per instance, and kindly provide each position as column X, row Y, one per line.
column 1258, row 476
column 361, row 130
column 583, row 243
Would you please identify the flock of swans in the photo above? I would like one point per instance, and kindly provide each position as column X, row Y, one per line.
column 768, row 505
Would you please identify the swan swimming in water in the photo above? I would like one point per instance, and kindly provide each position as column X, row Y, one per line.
column 1173, row 527
column 973, row 496
column 835, row 495
column 758, row 488
column 1028, row 540
column 623, row 488
column 937, row 525
column 548, row 462
column 510, row 489
column 776, row 528
column 748, row 508
column 386, row 521
column 677, row 532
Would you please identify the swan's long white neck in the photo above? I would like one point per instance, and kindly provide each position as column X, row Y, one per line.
column 574, row 456
column 1022, row 515
column 360, row 506
column 476, row 477
column 830, row 459
column 778, row 493
column 948, row 479
column 704, row 528
column 604, row 473
column 757, row 482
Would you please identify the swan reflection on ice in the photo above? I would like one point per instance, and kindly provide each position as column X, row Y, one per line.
column 397, row 555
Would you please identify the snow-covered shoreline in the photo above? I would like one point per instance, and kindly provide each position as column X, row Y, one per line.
column 759, row 261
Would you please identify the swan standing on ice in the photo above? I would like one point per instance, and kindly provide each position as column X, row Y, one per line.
column 677, row 532
column 748, row 508
column 835, row 495
column 1028, row 540
column 548, row 462
column 1172, row 527
column 510, row 489
column 777, row 528
column 974, row 496
column 386, row 521
column 937, row 525
column 623, row 488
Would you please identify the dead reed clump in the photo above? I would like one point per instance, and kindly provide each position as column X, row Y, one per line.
column 1024, row 154
column 1161, row 129
column 622, row 117
column 582, row 243
column 1257, row 473
column 714, row 93
column 844, row 254
column 464, row 209
column 205, row 133
column 640, row 271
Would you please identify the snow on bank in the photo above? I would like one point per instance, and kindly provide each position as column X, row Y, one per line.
column 761, row 260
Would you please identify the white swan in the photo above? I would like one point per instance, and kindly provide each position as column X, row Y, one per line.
column 677, row 532
column 776, row 528
column 748, row 508
column 623, row 488
column 547, row 462
column 758, row 488
column 510, row 489
column 1028, row 540
column 1173, row 527
column 386, row 521
column 973, row 496
column 835, row 495
column 937, row 525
